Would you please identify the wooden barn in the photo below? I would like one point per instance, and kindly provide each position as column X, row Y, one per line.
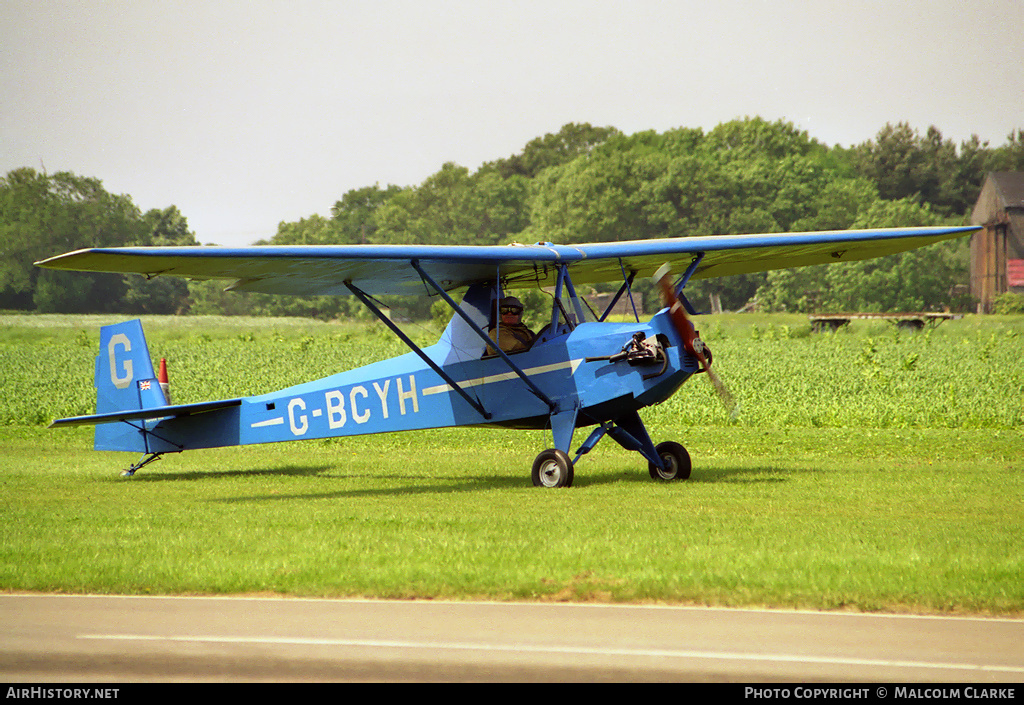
column 997, row 252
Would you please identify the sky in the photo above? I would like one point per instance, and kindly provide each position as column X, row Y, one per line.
column 248, row 114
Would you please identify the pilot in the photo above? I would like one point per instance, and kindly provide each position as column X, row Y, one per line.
column 514, row 336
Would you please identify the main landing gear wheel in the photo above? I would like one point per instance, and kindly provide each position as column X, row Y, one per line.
column 676, row 460
column 552, row 468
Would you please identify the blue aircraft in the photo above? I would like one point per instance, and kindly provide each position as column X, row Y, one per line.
column 580, row 371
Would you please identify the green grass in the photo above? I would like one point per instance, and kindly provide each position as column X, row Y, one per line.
column 848, row 482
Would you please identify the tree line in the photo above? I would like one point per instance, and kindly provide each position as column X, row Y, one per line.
column 581, row 184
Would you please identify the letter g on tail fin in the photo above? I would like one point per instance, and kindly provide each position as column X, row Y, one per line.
column 124, row 371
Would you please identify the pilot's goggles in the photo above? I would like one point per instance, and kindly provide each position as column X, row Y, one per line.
column 510, row 309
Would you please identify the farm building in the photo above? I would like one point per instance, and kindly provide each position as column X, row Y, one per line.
column 624, row 306
column 997, row 252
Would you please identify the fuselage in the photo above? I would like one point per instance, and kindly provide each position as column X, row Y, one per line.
column 404, row 393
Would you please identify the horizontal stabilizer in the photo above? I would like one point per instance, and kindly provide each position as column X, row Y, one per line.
column 155, row 412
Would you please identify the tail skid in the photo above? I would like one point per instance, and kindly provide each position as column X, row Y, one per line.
column 146, row 460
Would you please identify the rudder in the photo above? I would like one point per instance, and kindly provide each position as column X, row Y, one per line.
column 124, row 381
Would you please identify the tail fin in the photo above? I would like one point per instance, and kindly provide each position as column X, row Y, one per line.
column 124, row 371
column 125, row 381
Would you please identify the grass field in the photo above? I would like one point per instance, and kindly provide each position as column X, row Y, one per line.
column 868, row 469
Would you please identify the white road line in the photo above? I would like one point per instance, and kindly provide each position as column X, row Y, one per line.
column 527, row 648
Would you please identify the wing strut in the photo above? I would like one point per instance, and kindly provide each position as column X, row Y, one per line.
column 361, row 295
column 465, row 316
column 690, row 270
column 684, row 280
column 626, row 287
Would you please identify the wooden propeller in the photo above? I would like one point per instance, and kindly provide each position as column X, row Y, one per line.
column 692, row 344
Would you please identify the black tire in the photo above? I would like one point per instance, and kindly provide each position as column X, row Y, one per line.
column 552, row 468
column 676, row 459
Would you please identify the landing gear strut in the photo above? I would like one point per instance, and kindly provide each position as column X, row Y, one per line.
column 665, row 462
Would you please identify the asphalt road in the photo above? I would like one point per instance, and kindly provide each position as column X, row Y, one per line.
column 48, row 638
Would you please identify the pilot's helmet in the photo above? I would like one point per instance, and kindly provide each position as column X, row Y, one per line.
column 510, row 304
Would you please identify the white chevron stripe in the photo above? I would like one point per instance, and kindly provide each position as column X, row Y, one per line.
column 571, row 365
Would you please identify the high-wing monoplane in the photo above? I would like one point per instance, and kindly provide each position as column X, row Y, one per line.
column 581, row 370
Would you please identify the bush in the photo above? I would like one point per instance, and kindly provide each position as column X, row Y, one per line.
column 1008, row 303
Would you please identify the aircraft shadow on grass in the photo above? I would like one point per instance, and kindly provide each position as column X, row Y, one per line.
column 432, row 484
column 462, row 483
column 207, row 475
column 764, row 474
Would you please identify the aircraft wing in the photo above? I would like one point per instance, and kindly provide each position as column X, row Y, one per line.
column 387, row 269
